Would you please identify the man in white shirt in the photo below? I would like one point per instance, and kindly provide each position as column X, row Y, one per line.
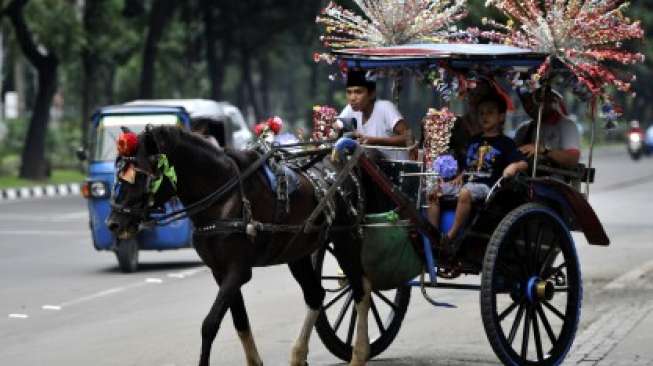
column 378, row 122
column 559, row 137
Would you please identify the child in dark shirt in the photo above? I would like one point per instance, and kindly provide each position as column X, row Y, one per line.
column 490, row 156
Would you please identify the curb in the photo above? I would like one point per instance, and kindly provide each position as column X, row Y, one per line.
column 50, row 190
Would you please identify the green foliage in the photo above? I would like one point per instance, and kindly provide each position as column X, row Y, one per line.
column 56, row 25
column 59, row 176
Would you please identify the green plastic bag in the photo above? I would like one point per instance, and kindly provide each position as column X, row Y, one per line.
column 389, row 259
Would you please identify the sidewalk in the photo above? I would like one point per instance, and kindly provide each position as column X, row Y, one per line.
column 622, row 335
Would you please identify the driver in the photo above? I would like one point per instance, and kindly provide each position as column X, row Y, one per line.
column 378, row 122
column 559, row 137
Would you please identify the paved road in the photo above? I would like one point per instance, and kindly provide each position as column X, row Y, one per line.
column 63, row 303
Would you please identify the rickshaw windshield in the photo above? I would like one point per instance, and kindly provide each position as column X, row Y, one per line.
column 108, row 129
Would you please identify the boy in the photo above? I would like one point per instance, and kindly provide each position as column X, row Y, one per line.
column 492, row 154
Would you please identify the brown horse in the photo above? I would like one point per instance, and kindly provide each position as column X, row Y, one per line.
column 201, row 171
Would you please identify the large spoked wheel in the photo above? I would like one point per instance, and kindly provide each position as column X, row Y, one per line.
column 531, row 288
column 127, row 255
column 337, row 320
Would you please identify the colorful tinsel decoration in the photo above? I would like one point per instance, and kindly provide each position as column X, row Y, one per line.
column 437, row 132
column 325, row 123
column 582, row 34
column 391, row 22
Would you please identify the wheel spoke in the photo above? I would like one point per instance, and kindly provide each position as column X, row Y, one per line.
column 508, row 310
column 377, row 317
column 526, row 335
column 554, row 310
column 343, row 311
column 539, row 237
column 515, row 324
column 385, row 300
column 337, row 297
column 536, row 334
column 352, row 324
column 546, row 324
column 547, row 258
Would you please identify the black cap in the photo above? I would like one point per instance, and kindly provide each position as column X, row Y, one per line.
column 360, row 78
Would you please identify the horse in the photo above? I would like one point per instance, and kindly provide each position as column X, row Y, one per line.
column 201, row 170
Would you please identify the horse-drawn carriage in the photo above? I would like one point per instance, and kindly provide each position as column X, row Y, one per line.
column 518, row 241
column 359, row 265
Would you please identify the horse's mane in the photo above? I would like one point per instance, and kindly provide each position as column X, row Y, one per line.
column 170, row 139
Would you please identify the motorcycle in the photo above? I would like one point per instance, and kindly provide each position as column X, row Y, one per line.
column 635, row 143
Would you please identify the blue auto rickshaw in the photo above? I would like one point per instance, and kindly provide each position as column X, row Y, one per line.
column 106, row 123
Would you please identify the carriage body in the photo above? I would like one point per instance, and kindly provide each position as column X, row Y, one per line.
column 524, row 225
column 101, row 176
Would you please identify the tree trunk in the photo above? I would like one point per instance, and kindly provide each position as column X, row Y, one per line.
column 162, row 11
column 246, row 69
column 90, row 66
column 33, row 164
column 264, row 85
column 216, row 64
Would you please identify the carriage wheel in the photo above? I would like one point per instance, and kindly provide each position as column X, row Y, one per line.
column 337, row 320
column 127, row 255
column 531, row 288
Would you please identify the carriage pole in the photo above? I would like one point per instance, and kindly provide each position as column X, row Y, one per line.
column 537, row 131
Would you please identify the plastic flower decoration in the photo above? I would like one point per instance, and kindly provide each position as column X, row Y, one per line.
column 127, row 143
column 585, row 35
column 272, row 124
column 325, row 123
column 390, row 22
column 437, row 132
column 446, row 166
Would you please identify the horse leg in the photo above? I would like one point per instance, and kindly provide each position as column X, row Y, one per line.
column 229, row 288
column 302, row 271
column 348, row 256
column 361, row 349
column 241, row 323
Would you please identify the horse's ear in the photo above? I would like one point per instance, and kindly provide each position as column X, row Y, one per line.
column 151, row 146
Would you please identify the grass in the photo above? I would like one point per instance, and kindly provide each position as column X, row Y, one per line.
column 58, row 176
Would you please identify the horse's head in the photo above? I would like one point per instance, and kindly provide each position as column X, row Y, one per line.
column 145, row 180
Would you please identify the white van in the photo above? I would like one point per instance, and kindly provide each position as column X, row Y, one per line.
column 228, row 124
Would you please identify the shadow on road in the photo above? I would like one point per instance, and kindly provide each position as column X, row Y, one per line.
column 156, row 267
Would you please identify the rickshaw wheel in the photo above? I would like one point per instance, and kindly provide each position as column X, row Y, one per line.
column 127, row 255
column 336, row 323
column 531, row 288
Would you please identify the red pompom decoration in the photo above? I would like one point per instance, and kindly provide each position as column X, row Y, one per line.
column 260, row 128
column 275, row 123
column 127, row 144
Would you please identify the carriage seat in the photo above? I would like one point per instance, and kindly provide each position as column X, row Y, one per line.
column 572, row 176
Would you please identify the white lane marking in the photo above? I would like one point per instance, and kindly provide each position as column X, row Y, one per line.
column 51, row 307
column 627, row 279
column 187, row 273
column 18, row 316
column 43, row 232
column 100, row 294
column 153, row 280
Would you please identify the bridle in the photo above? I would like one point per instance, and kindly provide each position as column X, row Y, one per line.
column 165, row 170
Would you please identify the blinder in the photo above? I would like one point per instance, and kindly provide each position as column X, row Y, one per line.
column 126, row 172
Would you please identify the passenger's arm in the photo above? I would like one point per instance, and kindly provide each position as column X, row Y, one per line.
column 514, row 168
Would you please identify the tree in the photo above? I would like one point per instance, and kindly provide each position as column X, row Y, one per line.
column 161, row 12
column 33, row 164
